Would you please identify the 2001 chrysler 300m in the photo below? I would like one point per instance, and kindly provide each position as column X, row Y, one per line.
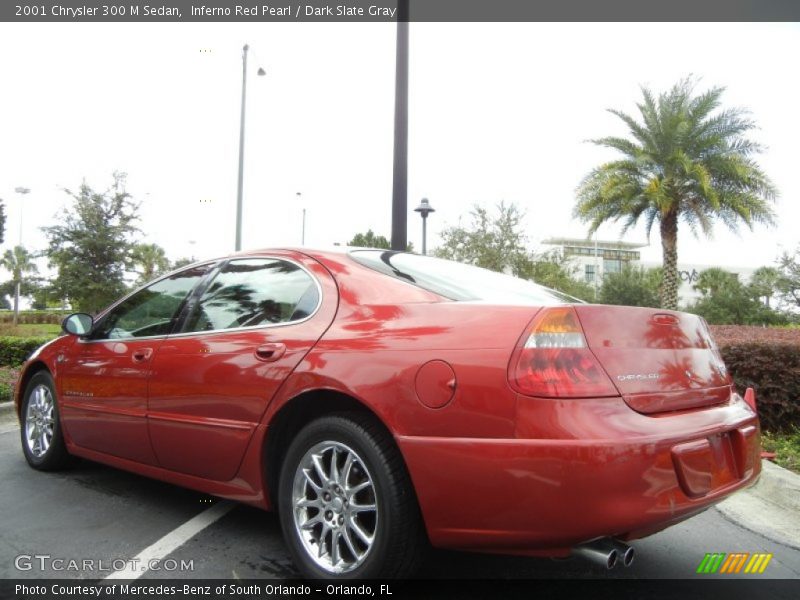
column 380, row 401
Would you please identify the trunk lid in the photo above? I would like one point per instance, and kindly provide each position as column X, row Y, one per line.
column 659, row 360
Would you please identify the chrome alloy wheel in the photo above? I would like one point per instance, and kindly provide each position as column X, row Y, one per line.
column 334, row 507
column 39, row 421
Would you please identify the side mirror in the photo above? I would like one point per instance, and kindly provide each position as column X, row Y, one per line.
column 78, row 324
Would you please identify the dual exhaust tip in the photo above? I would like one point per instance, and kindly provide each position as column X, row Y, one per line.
column 607, row 552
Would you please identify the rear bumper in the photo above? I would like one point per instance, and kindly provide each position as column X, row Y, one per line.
column 543, row 496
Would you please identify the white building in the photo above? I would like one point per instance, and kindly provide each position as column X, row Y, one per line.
column 594, row 258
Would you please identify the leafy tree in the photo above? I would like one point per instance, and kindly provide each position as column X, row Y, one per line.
column 726, row 300
column 46, row 297
column 19, row 262
column 553, row 270
column 148, row 262
column 682, row 161
column 92, row 246
column 631, row 286
column 493, row 242
column 789, row 281
column 369, row 240
column 497, row 242
column 182, row 262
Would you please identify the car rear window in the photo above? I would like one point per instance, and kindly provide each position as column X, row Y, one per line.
column 458, row 281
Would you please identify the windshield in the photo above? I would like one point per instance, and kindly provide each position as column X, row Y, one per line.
column 459, row 281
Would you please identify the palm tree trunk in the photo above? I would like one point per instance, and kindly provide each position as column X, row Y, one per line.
column 16, row 303
column 669, row 248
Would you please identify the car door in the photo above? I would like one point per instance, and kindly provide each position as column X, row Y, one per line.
column 103, row 381
column 212, row 381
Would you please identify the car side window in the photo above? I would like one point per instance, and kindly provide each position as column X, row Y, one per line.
column 254, row 292
column 151, row 311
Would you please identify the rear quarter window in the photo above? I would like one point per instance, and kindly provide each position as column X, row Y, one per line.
column 459, row 281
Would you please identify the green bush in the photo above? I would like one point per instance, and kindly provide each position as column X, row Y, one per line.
column 15, row 350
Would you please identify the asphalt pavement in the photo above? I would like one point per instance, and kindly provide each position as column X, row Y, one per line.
column 105, row 516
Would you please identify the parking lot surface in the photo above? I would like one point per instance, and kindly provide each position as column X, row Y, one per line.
column 107, row 517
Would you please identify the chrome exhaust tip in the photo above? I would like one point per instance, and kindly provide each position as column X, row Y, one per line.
column 601, row 551
column 626, row 553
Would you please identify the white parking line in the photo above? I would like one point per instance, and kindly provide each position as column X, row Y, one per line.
column 9, row 429
column 139, row 564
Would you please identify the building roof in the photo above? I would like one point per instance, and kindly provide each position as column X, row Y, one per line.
column 590, row 243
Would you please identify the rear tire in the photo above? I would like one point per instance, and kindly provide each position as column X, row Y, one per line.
column 345, row 501
column 42, row 439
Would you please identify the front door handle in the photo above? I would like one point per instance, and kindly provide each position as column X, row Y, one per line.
column 142, row 354
column 270, row 352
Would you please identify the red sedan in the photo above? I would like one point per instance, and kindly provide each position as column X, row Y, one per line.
column 382, row 401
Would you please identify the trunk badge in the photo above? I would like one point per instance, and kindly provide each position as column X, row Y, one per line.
column 638, row 377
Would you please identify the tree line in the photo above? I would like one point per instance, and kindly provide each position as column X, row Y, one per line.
column 497, row 241
column 95, row 250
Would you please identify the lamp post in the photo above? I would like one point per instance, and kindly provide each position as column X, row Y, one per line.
column 22, row 191
column 303, row 232
column 424, row 209
column 261, row 72
column 596, row 266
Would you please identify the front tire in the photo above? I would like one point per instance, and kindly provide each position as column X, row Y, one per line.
column 42, row 440
column 346, row 505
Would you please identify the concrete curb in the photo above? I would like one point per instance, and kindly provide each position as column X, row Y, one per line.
column 6, row 407
column 771, row 507
column 782, row 485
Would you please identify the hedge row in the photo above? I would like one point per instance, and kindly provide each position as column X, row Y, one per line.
column 15, row 350
column 726, row 335
column 33, row 317
column 768, row 360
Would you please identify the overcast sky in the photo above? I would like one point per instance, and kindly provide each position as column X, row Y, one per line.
column 497, row 112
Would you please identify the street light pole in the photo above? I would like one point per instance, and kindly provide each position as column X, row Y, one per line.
column 238, row 244
column 303, row 233
column 424, row 209
column 596, row 266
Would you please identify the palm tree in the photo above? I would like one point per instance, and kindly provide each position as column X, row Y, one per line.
column 20, row 263
column 683, row 161
column 764, row 283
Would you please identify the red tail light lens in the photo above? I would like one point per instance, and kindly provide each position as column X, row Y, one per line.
column 553, row 360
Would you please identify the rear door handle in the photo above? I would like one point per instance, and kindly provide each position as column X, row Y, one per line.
column 270, row 352
column 142, row 354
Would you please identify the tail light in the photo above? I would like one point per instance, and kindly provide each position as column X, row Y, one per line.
column 553, row 359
